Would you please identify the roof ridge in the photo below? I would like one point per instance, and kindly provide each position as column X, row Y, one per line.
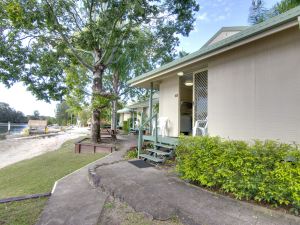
column 224, row 29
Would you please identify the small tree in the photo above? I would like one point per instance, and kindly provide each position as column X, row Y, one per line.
column 257, row 12
column 61, row 113
column 36, row 115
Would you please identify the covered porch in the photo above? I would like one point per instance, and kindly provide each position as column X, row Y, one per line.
column 182, row 110
column 135, row 113
column 183, row 102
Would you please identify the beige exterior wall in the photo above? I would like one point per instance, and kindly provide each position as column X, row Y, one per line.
column 254, row 91
column 121, row 119
column 169, row 103
column 127, row 116
column 124, row 117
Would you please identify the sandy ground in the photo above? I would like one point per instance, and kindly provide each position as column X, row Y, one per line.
column 14, row 150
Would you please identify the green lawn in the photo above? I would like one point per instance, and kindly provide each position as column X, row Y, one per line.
column 36, row 175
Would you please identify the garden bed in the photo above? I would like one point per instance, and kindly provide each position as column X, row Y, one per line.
column 86, row 145
column 266, row 172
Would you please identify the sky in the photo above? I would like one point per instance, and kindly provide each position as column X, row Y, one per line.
column 213, row 15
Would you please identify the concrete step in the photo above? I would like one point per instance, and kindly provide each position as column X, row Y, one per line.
column 164, row 146
column 159, row 152
column 152, row 158
column 160, row 139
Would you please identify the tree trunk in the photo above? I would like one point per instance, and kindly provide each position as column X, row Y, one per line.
column 114, row 115
column 115, row 84
column 97, row 88
column 96, row 136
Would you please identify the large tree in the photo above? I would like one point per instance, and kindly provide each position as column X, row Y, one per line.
column 130, row 64
column 40, row 39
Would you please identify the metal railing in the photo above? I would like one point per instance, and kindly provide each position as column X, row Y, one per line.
column 141, row 131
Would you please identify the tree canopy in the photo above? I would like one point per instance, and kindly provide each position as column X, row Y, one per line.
column 258, row 13
column 41, row 39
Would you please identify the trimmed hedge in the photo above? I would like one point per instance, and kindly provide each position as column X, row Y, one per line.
column 264, row 171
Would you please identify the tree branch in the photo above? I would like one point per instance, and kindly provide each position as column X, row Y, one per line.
column 67, row 42
column 84, row 51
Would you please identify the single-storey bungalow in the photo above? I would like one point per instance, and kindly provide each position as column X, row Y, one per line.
column 245, row 82
column 135, row 111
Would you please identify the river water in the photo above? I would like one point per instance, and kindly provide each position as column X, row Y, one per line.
column 14, row 128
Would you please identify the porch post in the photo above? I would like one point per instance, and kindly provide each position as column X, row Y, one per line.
column 133, row 119
column 8, row 127
column 150, row 107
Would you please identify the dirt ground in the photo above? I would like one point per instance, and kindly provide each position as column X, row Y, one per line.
column 119, row 213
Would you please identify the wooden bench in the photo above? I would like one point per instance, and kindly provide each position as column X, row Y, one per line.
column 34, row 125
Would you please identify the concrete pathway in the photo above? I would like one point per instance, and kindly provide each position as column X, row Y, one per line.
column 149, row 190
column 162, row 195
column 74, row 201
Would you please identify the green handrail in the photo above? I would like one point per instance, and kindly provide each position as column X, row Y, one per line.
column 141, row 129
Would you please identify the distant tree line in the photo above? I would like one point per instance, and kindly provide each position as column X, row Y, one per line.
column 8, row 114
column 258, row 13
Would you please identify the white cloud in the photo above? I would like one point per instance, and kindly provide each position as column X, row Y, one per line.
column 203, row 17
column 220, row 17
column 227, row 9
column 217, row 10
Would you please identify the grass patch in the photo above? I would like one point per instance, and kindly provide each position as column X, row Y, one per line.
column 21, row 213
column 37, row 175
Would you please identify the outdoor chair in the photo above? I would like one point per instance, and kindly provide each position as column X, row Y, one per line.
column 200, row 128
column 162, row 126
column 137, row 124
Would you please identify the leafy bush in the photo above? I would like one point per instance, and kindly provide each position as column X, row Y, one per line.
column 264, row 171
column 132, row 154
column 26, row 132
column 126, row 126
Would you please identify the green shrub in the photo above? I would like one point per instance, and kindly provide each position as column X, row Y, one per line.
column 264, row 171
column 26, row 132
column 126, row 126
column 132, row 154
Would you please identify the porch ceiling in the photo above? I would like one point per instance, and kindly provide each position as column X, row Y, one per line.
column 187, row 70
